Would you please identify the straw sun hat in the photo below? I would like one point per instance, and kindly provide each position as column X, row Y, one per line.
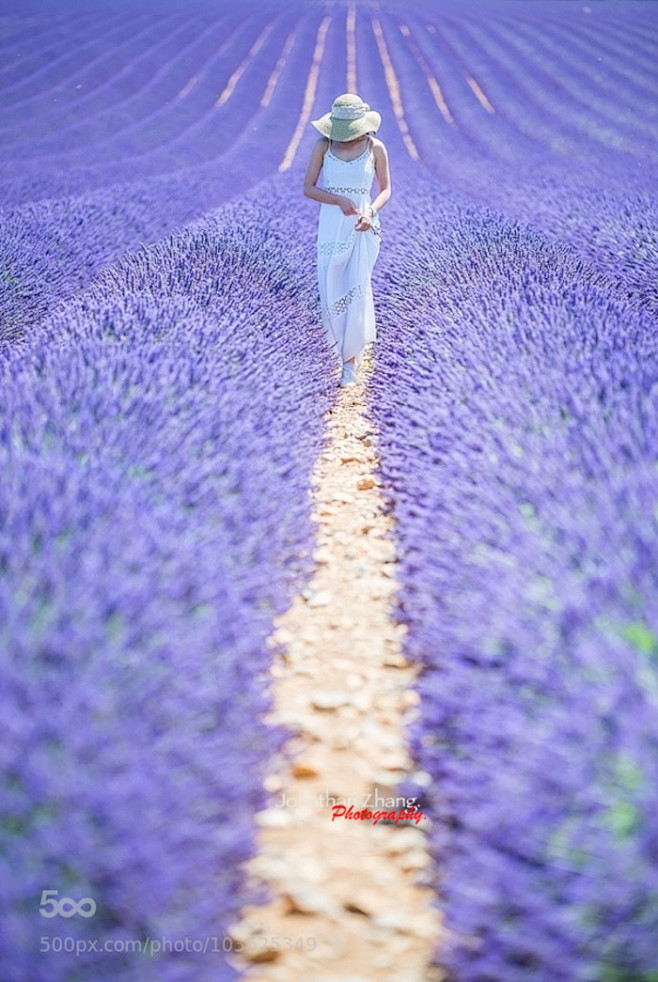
column 350, row 118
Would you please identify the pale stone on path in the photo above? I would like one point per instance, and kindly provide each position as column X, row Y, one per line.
column 343, row 687
column 329, row 700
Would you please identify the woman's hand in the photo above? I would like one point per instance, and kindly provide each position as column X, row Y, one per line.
column 365, row 221
column 347, row 206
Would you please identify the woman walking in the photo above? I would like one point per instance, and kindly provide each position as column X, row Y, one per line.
column 349, row 233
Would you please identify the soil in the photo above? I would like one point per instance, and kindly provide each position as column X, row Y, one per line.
column 349, row 900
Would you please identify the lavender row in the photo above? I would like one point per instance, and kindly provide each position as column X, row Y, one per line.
column 611, row 87
column 53, row 247
column 30, row 78
column 601, row 203
column 156, row 443
column 158, row 104
column 558, row 94
column 516, row 401
column 143, row 87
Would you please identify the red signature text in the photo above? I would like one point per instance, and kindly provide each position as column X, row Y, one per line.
column 392, row 817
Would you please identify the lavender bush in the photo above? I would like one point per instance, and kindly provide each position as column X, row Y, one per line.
column 516, row 397
column 142, row 565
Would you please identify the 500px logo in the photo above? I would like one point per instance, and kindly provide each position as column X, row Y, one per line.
column 65, row 906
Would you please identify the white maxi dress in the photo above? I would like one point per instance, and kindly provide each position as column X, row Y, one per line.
column 345, row 257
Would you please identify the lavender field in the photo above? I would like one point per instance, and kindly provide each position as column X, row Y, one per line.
column 164, row 382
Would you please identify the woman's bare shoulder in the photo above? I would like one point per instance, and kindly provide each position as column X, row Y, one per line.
column 378, row 145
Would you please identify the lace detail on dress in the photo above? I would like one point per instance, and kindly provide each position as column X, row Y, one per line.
column 358, row 292
column 335, row 190
column 336, row 247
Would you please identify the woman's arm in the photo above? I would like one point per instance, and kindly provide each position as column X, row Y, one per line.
column 346, row 205
column 383, row 175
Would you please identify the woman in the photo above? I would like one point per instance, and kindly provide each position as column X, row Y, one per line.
column 348, row 157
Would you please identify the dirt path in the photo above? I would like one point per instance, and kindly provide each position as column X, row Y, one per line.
column 350, row 889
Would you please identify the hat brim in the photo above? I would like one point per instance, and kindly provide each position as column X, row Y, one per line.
column 342, row 130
